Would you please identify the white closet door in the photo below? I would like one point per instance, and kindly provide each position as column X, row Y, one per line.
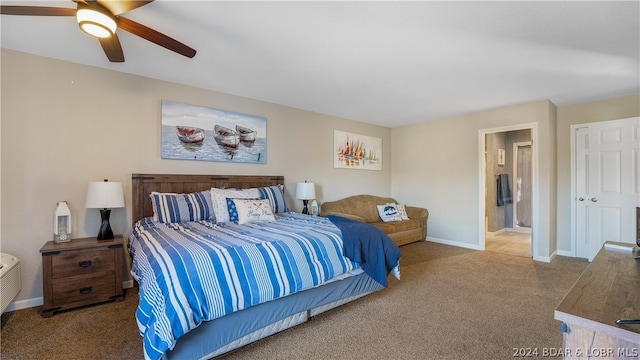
column 607, row 184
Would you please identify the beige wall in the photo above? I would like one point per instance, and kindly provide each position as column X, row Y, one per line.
column 436, row 165
column 64, row 125
column 603, row 110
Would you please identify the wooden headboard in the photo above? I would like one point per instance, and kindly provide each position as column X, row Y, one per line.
column 144, row 184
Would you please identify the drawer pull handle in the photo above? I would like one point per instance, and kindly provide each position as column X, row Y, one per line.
column 84, row 263
column 85, row 290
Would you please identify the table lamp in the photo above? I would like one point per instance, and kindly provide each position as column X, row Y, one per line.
column 305, row 191
column 104, row 195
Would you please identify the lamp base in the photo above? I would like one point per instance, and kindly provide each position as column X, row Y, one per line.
column 305, row 210
column 105, row 232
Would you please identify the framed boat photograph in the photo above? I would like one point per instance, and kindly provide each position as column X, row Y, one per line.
column 191, row 132
column 353, row 151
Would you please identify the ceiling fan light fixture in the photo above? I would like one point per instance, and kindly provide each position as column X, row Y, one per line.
column 95, row 22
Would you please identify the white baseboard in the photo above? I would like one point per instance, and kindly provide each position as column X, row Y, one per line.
column 546, row 259
column 498, row 232
column 565, row 253
column 516, row 230
column 28, row 303
column 454, row 243
column 24, row 304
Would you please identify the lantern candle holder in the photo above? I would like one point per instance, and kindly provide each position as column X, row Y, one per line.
column 62, row 223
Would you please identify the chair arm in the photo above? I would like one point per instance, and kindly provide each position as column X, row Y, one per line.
column 417, row 212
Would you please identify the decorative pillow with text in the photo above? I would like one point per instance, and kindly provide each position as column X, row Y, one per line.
column 389, row 212
column 233, row 211
column 252, row 210
column 219, row 200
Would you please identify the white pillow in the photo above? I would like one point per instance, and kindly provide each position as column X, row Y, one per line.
column 388, row 212
column 253, row 210
column 219, row 200
column 402, row 212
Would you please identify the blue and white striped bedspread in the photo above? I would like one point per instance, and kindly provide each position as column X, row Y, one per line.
column 197, row 271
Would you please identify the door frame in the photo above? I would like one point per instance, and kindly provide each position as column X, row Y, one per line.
column 573, row 129
column 535, row 190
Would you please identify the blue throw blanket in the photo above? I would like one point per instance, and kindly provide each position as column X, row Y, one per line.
column 369, row 246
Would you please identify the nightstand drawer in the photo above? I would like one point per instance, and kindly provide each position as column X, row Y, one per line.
column 83, row 288
column 82, row 262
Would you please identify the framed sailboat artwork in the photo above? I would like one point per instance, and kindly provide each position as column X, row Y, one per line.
column 191, row 132
column 354, row 151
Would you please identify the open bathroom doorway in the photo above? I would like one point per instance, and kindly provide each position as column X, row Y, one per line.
column 508, row 192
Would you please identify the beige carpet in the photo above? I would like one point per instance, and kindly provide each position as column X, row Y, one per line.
column 451, row 303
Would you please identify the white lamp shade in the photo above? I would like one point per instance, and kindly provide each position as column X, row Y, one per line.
column 305, row 191
column 104, row 195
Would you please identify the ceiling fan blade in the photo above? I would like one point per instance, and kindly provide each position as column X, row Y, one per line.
column 122, row 6
column 155, row 37
column 112, row 48
column 36, row 10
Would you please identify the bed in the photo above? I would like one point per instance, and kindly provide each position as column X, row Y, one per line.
column 213, row 281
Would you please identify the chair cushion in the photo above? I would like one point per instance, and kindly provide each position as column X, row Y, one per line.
column 387, row 228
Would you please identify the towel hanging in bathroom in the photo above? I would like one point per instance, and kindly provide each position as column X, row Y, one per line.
column 504, row 193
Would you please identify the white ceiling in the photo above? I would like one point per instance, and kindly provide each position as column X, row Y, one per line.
column 385, row 63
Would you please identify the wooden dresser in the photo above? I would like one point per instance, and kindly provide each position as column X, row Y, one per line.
column 81, row 272
column 608, row 290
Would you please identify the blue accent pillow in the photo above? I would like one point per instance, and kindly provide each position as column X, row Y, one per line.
column 175, row 208
column 275, row 194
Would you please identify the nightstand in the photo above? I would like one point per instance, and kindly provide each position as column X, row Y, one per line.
column 81, row 272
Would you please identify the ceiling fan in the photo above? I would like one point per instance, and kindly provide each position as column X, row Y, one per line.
column 101, row 18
